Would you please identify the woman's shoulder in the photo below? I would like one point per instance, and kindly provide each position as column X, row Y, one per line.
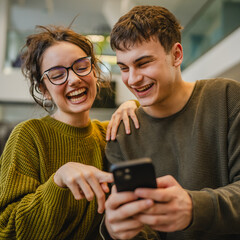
column 30, row 125
column 102, row 125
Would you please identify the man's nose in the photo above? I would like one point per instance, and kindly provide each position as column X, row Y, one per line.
column 135, row 77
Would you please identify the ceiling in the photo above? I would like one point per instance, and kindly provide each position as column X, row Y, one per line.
column 94, row 16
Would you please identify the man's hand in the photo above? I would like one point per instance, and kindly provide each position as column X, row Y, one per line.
column 120, row 209
column 172, row 210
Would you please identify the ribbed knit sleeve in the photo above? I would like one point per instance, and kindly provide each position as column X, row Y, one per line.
column 32, row 206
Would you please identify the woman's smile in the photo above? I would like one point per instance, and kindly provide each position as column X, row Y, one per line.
column 77, row 96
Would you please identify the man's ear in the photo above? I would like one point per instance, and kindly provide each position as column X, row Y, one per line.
column 177, row 52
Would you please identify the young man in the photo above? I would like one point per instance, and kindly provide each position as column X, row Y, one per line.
column 189, row 130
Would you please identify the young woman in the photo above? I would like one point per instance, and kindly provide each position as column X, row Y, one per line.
column 52, row 179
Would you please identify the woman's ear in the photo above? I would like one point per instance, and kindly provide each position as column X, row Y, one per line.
column 177, row 51
column 44, row 91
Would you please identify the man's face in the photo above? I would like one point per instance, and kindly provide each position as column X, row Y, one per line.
column 149, row 72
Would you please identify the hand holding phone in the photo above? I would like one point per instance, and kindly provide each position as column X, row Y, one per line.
column 132, row 174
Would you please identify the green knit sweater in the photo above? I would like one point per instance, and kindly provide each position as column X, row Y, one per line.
column 32, row 206
column 200, row 147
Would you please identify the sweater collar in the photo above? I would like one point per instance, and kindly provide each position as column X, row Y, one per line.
column 68, row 129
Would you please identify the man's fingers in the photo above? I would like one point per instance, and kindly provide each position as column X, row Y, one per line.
column 130, row 209
column 127, row 228
column 117, row 199
column 114, row 189
column 160, row 223
column 158, row 195
column 129, row 234
column 166, row 181
column 163, row 193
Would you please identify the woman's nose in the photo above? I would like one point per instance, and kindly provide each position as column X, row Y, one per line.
column 73, row 78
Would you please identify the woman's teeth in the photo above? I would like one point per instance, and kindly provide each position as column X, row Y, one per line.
column 77, row 92
column 146, row 87
column 77, row 95
column 77, row 99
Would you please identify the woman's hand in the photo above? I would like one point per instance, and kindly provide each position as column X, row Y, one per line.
column 84, row 181
column 125, row 110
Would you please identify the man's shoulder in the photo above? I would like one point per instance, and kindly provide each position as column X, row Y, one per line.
column 219, row 87
column 220, row 82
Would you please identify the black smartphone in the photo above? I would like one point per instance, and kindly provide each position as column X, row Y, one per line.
column 132, row 174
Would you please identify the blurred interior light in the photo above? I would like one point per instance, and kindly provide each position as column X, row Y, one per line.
column 108, row 58
column 108, row 38
column 96, row 38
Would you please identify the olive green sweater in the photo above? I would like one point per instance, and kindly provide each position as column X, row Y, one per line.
column 32, row 206
column 200, row 147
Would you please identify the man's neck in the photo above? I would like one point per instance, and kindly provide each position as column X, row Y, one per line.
column 174, row 104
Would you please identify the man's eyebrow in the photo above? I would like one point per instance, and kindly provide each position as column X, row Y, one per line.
column 138, row 59
column 120, row 63
column 143, row 57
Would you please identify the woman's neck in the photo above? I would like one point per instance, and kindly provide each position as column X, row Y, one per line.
column 76, row 120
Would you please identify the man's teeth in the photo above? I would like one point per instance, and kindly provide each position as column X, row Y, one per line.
column 144, row 88
column 77, row 92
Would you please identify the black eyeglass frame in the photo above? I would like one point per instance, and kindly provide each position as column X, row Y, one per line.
column 67, row 69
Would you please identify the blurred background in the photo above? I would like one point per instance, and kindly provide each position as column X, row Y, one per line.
column 210, row 39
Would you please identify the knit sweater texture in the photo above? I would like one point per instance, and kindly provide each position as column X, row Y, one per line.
column 200, row 147
column 32, row 206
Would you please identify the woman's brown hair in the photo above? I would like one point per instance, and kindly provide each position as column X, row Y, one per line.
column 37, row 43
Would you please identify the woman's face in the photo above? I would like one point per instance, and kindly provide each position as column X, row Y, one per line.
column 75, row 97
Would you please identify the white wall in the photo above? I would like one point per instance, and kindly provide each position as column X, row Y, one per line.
column 217, row 61
column 13, row 86
column 3, row 31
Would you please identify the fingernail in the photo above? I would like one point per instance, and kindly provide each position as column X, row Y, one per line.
column 100, row 211
column 149, row 202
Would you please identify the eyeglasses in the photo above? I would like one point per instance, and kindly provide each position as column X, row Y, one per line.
column 58, row 75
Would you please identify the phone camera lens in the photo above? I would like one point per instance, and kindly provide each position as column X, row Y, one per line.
column 127, row 177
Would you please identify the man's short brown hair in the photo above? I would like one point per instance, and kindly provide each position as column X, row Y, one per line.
column 143, row 23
